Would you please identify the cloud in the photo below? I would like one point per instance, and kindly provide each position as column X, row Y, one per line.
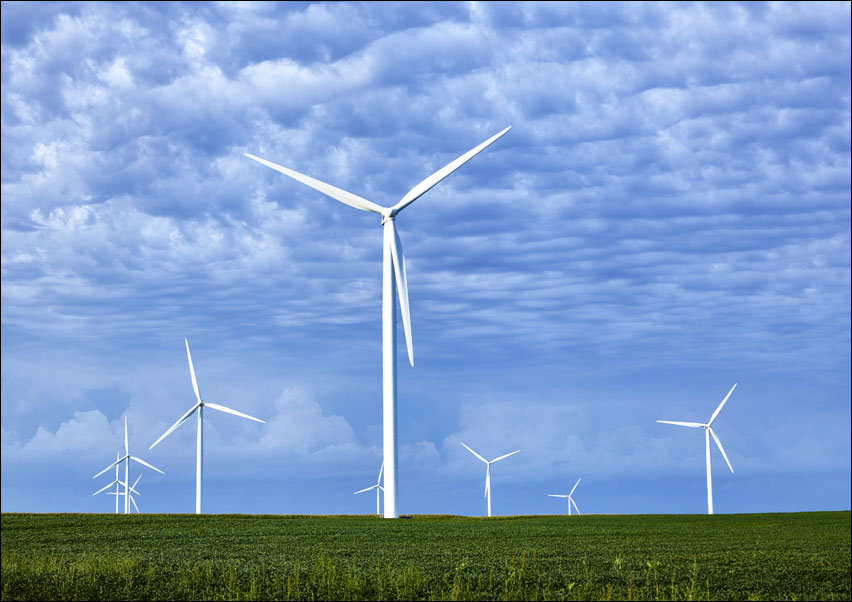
column 86, row 431
column 300, row 427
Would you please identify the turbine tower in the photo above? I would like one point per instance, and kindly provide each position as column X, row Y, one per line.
column 199, row 442
column 378, row 487
column 394, row 284
column 126, row 459
column 708, row 431
column 570, row 499
column 488, row 464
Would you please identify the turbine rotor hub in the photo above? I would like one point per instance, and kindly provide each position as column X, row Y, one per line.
column 388, row 214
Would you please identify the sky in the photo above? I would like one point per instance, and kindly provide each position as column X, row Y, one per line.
column 668, row 216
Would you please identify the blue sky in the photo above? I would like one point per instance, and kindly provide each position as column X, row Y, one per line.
column 669, row 215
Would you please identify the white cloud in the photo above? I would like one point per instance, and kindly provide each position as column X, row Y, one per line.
column 86, row 431
column 301, row 427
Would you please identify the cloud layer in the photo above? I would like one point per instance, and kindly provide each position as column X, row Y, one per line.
column 668, row 215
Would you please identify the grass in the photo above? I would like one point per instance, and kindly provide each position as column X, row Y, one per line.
column 802, row 556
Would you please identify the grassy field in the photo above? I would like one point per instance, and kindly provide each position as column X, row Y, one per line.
column 803, row 556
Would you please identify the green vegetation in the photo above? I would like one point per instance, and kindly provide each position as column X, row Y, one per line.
column 226, row 557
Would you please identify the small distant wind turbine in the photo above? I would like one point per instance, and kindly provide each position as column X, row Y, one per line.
column 394, row 283
column 117, row 482
column 488, row 464
column 570, row 499
column 199, row 405
column 708, row 431
column 378, row 487
column 132, row 491
column 126, row 459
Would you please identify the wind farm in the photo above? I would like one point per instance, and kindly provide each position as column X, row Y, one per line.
column 594, row 218
column 126, row 458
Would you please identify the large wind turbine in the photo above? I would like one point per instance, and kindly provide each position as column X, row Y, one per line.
column 393, row 283
column 126, row 459
column 488, row 464
column 570, row 499
column 378, row 487
column 199, row 406
column 708, row 431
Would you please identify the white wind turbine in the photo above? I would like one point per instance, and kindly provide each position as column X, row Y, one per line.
column 199, row 406
column 132, row 491
column 126, row 459
column 708, row 431
column 117, row 482
column 378, row 487
column 570, row 499
column 394, row 283
column 488, row 464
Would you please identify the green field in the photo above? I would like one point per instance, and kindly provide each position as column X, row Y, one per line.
column 802, row 556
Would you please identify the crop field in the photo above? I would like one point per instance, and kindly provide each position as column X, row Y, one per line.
column 249, row 557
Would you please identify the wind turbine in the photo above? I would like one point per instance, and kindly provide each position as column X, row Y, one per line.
column 394, row 283
column 132, row 491
column 126, row 459
column 378, row 487
column 488, row 464
column 570, row 499
column 117, row 482
column 708, row 431
column 199, row 406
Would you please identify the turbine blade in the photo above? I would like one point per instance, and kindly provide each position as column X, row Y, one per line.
column 365, row 490
column 141, row 461
column 398, row 259
column 487, row 480
column 474, row 453
column 180, row 421
column 381, row 469
column 192, row 372
column 505, row 456
column 134, row 505
column 575, row 487
column 353, row 200
column 692, row 424
column 571, row 501
column 103, row 488
column 721, row 449
column 126, row 446
column 216, row 406
column 108, row 467
column 719, row 408
column 426, row 184
column 556, row 495
column 136, row 482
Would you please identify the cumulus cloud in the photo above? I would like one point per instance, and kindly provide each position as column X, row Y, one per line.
column 300, row 426
column 85, row 431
